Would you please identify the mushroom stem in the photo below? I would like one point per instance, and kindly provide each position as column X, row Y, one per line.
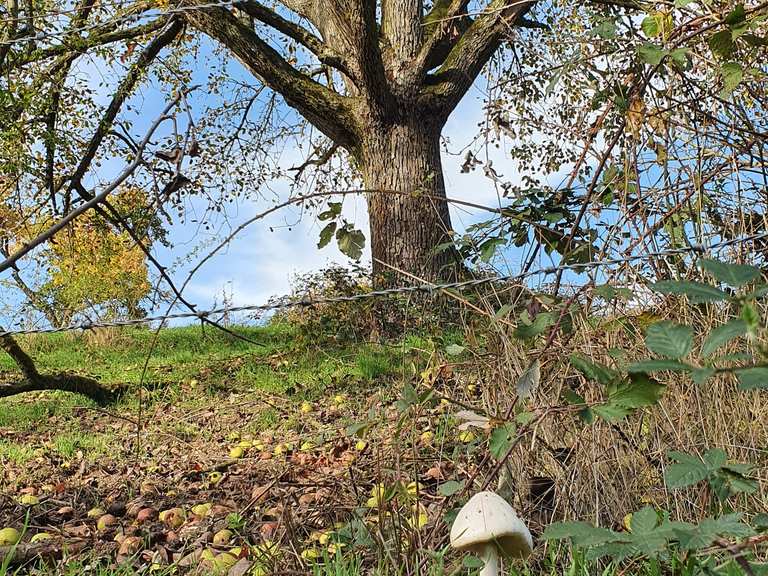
column 490, row 558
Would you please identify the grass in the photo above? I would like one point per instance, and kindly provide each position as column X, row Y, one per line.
column 201, row 387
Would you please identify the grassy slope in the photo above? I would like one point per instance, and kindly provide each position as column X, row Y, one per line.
column 201, row 389
column 187, row 367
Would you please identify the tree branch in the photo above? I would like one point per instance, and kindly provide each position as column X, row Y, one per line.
column 10, row 29
column 326, row 109
column 49, row 233
column 125, row 89
column 34, row 381
column 443, row 26
column 98, row 38
column 471, row 52
column 321, row 50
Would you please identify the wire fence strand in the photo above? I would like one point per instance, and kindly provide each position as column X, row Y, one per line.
column 427, row 288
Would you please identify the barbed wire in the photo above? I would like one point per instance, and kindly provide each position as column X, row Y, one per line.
column 427, row 288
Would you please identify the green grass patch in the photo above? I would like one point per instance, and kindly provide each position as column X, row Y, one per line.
column 15, row 453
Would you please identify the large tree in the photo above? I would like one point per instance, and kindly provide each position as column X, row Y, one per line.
column 393, row 71
column 403, row 72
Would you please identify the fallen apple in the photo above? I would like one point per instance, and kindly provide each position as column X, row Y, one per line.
column 105, row 522
column 222, row 537
column 40, row 537
column 96, row 512
column 130, row 546
column 173, row 518
column 201, row 510
column 9, row 536
column 146, row 515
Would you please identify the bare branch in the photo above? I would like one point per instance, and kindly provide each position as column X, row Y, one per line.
column 125, row 89
column 63, row 222
column 321, row 160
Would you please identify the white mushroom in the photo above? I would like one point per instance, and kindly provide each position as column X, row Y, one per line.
column 487, row 525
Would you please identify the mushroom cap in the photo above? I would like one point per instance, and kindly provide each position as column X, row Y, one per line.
column 486, row 518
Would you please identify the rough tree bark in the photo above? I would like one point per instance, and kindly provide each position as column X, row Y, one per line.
column 406, row 231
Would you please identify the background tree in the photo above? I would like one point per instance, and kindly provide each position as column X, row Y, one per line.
column 92, row 268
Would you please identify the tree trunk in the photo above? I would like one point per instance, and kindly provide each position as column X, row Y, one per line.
column 409, row 218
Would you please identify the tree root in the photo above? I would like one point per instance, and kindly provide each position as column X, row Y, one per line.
column 34, row 381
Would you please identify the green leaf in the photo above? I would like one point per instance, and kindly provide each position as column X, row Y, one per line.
column 525, row 417
column 680, row 57
column 751, row 316
column 594, row 370
column 715, row 458
column 650, row 25
column 527, row 331
column 736, row 16
column 351, row 242
column 503, row 311
column 687, row 471
column 760, row 521
column 651, row 54
column 669, row 339
column 721, row 44
column 408, row 398
column 611, row 412
column 326, row 234
column 580, row 533
column 644, row 521
column 573, row 398
column 605, row 29
column 450, row 487
column 587, row 415
column 605, row 291
column 710, row 528
column 732, row 274
column 472, row 562
column 738, row 483
column 753, row 378
column 638, row 392
column 501, row 439
column 732, row 75
column 701, row 375
column 755, row 40
column 656, row 365
column 722, row 335
column 696, row 292
column 334, row 209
